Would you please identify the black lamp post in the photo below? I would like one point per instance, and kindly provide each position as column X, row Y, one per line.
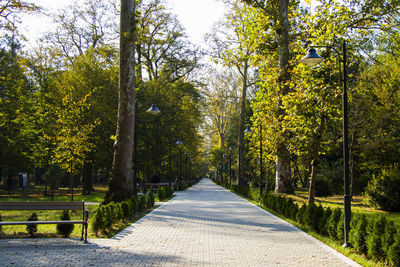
column 179, row 143
column 190, row 169
column 230, row 165
column 187, row 165
column 154, row 111
column 313, row 58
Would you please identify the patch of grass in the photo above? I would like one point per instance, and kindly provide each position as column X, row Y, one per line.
column 44, row 230
column 49, row 230
column 37, row 194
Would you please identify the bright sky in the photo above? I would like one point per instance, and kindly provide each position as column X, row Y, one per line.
column 197, row 16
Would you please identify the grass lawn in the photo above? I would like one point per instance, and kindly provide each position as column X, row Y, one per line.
column 36, row 193
column 49, row 230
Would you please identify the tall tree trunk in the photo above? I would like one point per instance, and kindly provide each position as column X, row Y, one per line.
column 317, row 146
column 284, row 183
column 352, row 163
column 241, row 147
column 87, row 186
column 120, row 185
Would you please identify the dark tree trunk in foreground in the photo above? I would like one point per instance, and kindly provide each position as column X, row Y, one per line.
column 241, row 147
column 120, row 185
column 317, row 146
column 284, row 183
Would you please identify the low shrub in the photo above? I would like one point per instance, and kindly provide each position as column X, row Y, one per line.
column 254, row 194
column 358, row 235
column 340, row 228
column 32, row 228
column 169, row 192
column 65, row 229
column 311, row 217
column 99, row 222
column 376, row 230
column 383, row 189
column 388, row 237
column 323, row 187
column 141, row 203
column 393, row 254
column 126, row 209
column 300, row 214
column 149, row 201
column 134, row 205
column 161, row 193
column 333, row 223
column 323, row 222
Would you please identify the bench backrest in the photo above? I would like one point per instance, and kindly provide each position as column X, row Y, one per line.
column 45, row 205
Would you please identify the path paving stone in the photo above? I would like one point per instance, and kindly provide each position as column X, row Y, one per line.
column 203, row 226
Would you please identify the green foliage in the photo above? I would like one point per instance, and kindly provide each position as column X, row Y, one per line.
column 313, row 215
column 301, row 213
column 323, row 187
column 333, row 223
column 340, row 228
column 164, row 192
column 394, row 251
column 169, row 192
column 323, row 229
column 126, row 209
column 161, row 193
column 133, row 205
column 358, row 235
column 383, row 190
column 388, row 237
column 149, row 202
column 99, row 222
column 376, row 231
column 141, row 203
column 32, row 228
column 65, row 229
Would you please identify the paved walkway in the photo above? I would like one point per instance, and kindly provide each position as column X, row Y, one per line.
column 203, row 226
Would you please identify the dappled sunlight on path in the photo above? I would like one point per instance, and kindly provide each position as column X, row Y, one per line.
column 205, row 225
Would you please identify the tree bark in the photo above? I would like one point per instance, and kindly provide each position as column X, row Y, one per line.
column 317, row 146
column 241, row 147
column 284, row 183
column 87, row 186
column 120, row 184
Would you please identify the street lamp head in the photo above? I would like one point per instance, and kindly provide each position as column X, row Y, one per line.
column 153, row 110
column 248, row 130
column 179, row 142
column 312, row 58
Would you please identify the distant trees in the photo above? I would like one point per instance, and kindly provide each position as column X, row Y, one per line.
column 59, row 101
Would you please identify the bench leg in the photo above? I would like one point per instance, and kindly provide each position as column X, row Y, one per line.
column 86, row 228
column 83, row 228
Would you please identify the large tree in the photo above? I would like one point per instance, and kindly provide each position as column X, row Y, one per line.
column 120, row 184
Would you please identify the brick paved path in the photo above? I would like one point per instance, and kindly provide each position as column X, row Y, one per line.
column 203, row 226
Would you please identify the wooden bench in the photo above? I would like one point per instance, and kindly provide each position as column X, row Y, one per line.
column 48, row 205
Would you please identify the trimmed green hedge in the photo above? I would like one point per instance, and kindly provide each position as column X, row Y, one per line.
column 164, row 192
column 378, row 239
column 108, row 215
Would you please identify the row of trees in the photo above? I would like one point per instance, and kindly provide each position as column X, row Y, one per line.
column 299, row 108
column 59, row 100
